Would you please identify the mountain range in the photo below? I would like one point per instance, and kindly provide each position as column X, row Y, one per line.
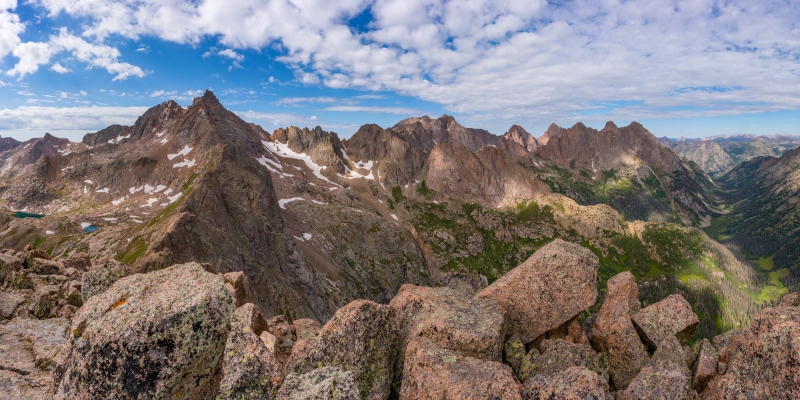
column 718, row 154
column 307, row 225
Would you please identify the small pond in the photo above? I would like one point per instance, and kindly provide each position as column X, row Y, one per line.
column 91, row 228
column 22, row 214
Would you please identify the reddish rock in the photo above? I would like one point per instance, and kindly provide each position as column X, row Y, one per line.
column 167, row 329
column 284, row 337
column 613, row 332
column 306, row 328
column 431, row 372
column 249, row 369
column 269, row 340
column 790, row 300
column 8, row 263
column 763, row 362
column 705, row 368
column 72, row 293
column 451, row 319
column 672, row 316
column 573, row 383
column 79, row 261
column 722, row 341
column 665, row 378
column 550, row 288
column 360, row 338
column 240, row 285
column 558, row 355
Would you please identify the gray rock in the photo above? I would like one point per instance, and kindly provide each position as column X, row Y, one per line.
column 43, row 300
column 249, row 369
column 360, row 338
column 11, row 299
column 167, row 329
column 8, row 263
column 326, row 383
column 100, row 277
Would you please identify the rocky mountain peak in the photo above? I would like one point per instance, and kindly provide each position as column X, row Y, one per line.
column 519, row 135
column 552, row 131
column 208, row 98
column 611, row 126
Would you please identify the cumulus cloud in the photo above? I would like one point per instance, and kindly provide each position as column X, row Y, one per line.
column 31, row 55
column 71, row 122
column 10, row 27
column 58, row 68
column 500, row 58
column 298, row 100
column 381, row 110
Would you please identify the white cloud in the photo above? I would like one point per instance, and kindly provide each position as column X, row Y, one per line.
column 10, row 27
column 297, row 100
column 83, row 93
column 383, row 110
column 501, row 59
column 71, row 122
column 58, row 68
column 162, row 93
column 33, row 54
column 231, row 54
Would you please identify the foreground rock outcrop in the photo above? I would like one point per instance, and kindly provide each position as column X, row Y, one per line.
column 153, row 335
column 187, row 332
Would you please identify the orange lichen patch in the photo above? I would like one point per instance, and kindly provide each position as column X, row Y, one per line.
column 117, row 304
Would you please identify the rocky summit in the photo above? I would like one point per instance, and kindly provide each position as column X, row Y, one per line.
column 193, row 255
column 187, row 331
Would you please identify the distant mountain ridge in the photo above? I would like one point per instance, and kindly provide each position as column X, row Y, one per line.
column 717, row 154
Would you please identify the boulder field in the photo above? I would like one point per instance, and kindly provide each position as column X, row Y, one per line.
column 73, row 330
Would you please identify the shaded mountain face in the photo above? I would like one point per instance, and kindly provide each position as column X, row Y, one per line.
column 764, row 195
column 315, row 222
column 721, row 153
column 8, row 143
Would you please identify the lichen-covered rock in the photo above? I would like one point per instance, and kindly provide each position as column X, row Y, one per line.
column 43, row 266
column 705, row 367
column 19, row 280
column 44, row 298
column 672, row 316
column 763, row 362
column 249, row 369
column 10, row 299
column 574, row 383
column 155, row 335
column 284, row 337
column 269, row 341
column 360, row 338
column 8, row 263
column 326, row 383
column 431, row 372
column 559, row 355
column 467, row 283
column 550, row 288
column 613, row 332
column 790, row 300
column 100, row 277
column 665, row 378
column 72, row 293
column 514, row 353
column 238, row 282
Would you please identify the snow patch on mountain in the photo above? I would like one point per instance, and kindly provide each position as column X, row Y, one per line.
column 284, row 151
column 186, row 150
column 282, row 202
column 184, row 163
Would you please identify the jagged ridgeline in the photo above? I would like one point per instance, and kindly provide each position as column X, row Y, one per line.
column 316, row 222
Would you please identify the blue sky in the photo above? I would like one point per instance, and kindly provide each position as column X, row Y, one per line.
column 682, row 68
